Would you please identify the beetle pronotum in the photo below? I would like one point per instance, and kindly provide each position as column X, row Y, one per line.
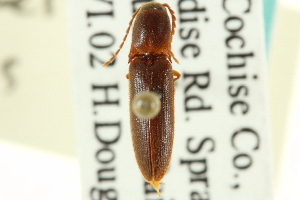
column 151, row 88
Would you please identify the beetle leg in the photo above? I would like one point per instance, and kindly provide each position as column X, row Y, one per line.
column 174, row 58
column 128, row 76
column 176, row 74
column 159, row 183
column 155, row 185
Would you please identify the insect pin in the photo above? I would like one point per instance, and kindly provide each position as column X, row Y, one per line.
column 151, row 88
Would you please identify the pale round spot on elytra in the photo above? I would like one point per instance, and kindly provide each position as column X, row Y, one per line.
column 146, row 105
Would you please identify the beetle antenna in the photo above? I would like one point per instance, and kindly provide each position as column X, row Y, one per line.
column 173, row 17
column 121, row 45
column 173, row 27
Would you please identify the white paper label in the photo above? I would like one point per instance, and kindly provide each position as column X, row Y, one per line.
column 221, row 147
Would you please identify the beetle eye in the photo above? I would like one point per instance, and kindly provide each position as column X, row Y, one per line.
column 146, row 105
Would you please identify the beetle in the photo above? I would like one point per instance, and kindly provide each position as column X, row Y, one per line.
column 151, row 88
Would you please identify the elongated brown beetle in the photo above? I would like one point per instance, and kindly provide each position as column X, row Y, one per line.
column 151, row 87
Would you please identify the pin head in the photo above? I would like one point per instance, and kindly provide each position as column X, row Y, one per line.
column 146, row 105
